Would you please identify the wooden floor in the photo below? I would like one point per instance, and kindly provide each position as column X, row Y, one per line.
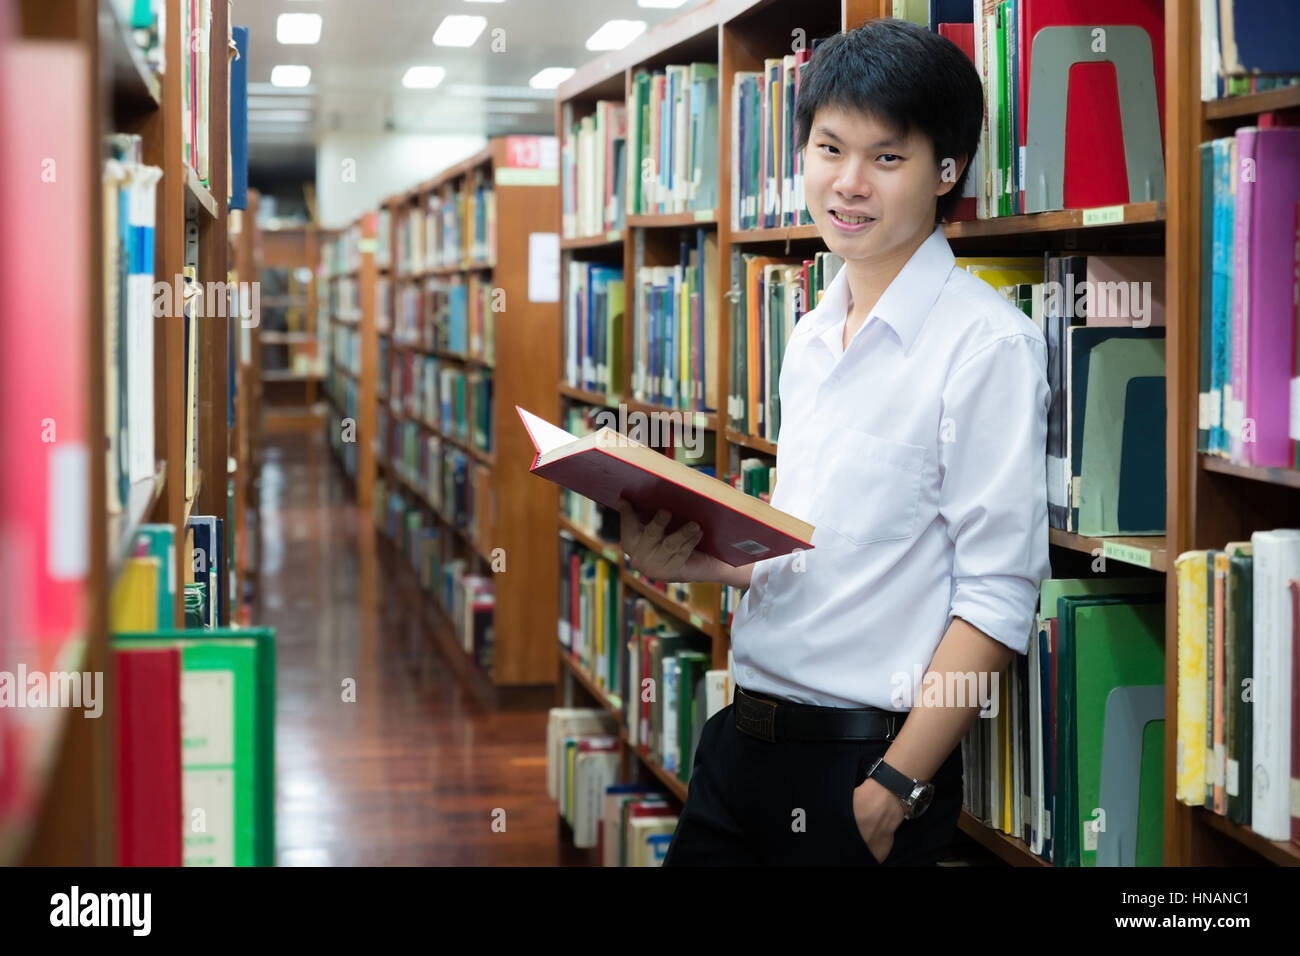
column 414, row 772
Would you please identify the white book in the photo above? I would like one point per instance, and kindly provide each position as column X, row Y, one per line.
column 593, row 771
column 1277, row 561
column 562, row 722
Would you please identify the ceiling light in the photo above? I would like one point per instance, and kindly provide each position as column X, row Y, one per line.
column 290, row 75
column 298, row 28
column 551, row 77
column 423, row 77
column 615, row 34
column 458, row 30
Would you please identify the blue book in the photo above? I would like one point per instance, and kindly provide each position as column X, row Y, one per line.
column 239, row 121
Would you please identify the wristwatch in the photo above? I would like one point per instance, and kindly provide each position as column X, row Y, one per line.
column 914, row 795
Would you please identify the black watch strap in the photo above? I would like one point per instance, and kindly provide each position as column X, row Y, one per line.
column 895, row 781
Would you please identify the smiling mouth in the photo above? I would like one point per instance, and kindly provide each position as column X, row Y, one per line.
column 849, row 220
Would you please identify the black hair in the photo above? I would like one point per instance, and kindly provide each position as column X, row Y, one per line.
column 905, row 76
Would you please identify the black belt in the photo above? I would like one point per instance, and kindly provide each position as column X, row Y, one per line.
column 774, row 720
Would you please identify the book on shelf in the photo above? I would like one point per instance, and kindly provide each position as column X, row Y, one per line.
column 1238, row 714
column 606, row 466
column 593, row 327
column 224, row 766
column 1074, row 725
column 672, row 135
column 675, row 327
column 594, row 174
column 1246, row 48
column 238, row 158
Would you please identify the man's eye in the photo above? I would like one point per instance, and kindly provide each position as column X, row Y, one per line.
column 828, row 146
column 889, row 157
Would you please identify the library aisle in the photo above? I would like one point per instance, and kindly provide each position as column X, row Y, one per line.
column 409, row 773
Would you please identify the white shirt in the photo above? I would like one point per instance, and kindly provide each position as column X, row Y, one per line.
column 919, row 454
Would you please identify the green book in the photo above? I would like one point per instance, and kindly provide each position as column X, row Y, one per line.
column 228, row 742
column 692, row 667
column 1104, row 642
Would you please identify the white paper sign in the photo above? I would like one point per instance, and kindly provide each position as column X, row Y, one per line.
column 543, row 267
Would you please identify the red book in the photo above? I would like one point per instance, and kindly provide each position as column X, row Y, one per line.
column 605, row 466
column 963, row 36
column 150, row 817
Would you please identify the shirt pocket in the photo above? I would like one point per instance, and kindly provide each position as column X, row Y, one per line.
column 870, row 489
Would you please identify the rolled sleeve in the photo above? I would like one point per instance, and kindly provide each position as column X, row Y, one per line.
column 993, row 496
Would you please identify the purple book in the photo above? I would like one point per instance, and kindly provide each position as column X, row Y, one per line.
column 1263, row 329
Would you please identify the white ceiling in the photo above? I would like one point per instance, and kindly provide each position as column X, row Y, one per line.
column 367, row 45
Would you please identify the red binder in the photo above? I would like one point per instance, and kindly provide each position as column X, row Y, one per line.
column 150, row 818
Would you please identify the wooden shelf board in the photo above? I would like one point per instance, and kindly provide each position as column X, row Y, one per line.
column 1288, row 477
column 684, row 612
column 750, row 441
column 141, row 498
column 1250, row 104
column 612, row 238
column 1144, row 547
column 610, row 551
column 1014, row 851
column 285, row 375
column 199, row 193
column 776, row 234
column 591, row 398
column 286, row 338
column 1281, row 852
column 707, row 420
column 134, row 83
column 1062, row 220
column 703, row 217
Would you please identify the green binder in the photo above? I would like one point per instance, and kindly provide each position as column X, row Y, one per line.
column 236, row 770
column 1104, row 642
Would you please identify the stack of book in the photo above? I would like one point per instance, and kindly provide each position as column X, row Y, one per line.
column 1238, row 709
column 672, row 131
column 593, row 172
column 593, row 327
column 767, row 184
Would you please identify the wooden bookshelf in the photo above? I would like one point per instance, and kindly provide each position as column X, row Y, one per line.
column 76, row 815
column 1209, row 501
column 516, row 516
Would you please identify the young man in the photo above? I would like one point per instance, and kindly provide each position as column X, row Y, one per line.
column 913, row 428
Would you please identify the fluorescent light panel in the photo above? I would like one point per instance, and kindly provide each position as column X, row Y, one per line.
column 615, row 34
column 292, row 76
column 423, row 77
column 551, row 77
column 298, row 28
column 459, row 30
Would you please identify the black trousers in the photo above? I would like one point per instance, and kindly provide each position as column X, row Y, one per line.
column 752, row 802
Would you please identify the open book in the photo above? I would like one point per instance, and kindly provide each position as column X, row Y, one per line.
column 604, row 466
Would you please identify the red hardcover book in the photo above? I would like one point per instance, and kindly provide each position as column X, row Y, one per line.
column 963, row 35
column 1095, row 170
column 150, row 817
column 605, row 466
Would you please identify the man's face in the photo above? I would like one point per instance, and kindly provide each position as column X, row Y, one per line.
column 870, row 191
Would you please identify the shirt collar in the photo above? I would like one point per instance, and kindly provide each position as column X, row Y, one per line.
column 905, row 303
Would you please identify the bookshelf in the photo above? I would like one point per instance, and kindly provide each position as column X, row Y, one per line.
column 419, row 263
column 246, row 439
column 287, row 337
column 1209, row 501
column 74, row 820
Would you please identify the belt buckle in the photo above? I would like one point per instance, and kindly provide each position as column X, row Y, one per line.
column 756, row 717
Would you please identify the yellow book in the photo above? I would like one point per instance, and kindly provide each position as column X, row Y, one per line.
column 133, row 605
column 1190, row 571
column 1005, row 714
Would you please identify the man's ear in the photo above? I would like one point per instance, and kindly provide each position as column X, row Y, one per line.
column 950, row 170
